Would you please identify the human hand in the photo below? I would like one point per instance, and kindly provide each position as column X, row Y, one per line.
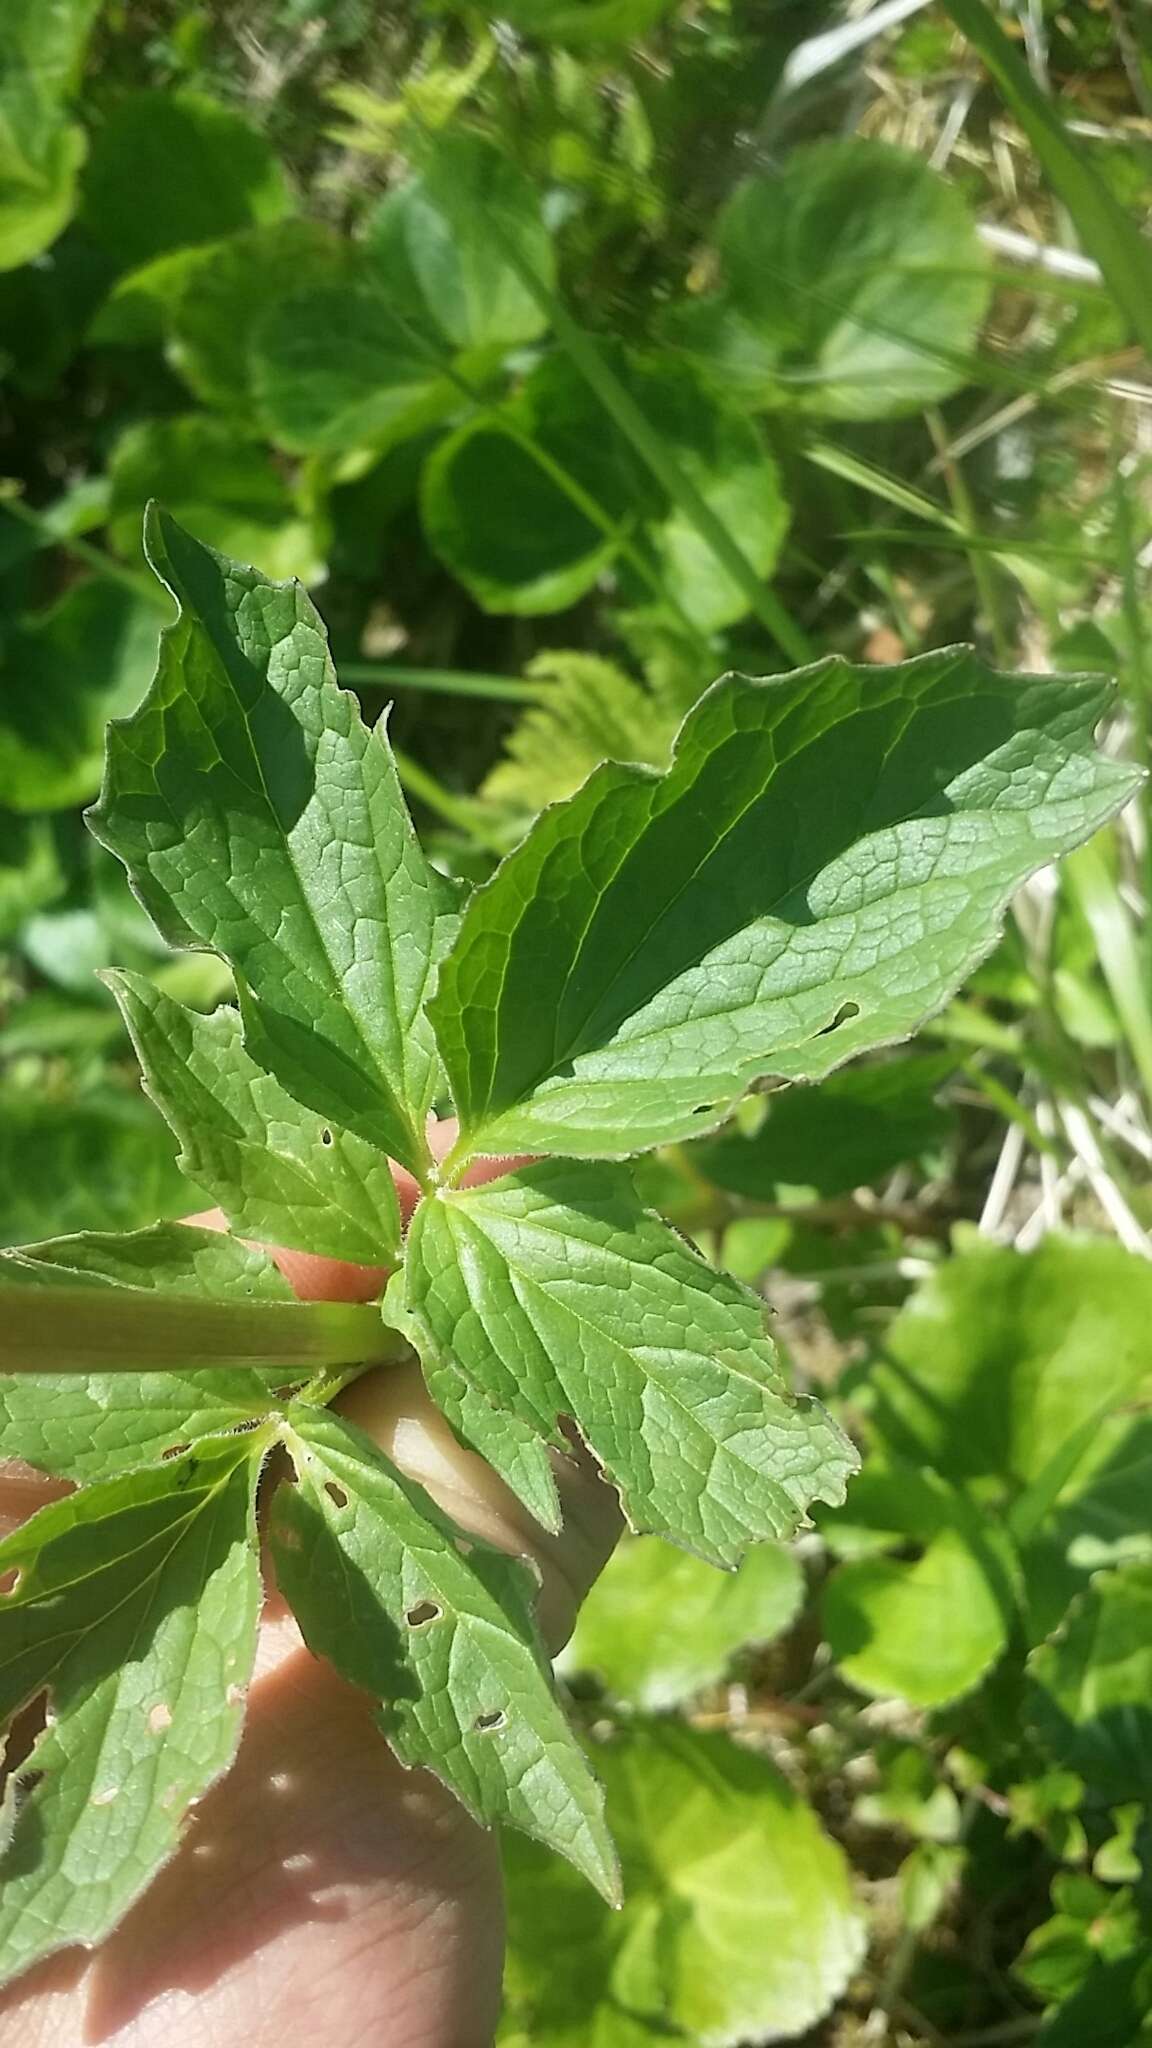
column 321, row 1891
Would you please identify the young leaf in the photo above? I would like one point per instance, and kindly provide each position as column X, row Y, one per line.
column 827, row 857
column 257, row 815
column 553, row 1292
column 658, row 1626
column 441, row 1633
column 88, row 1427
column 279, row 1172
column 135, row 1610
column 739, row 1922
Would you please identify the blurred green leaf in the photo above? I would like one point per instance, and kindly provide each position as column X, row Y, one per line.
column 853, row 286
column 1000, row 1358
column 63, row 674
column 41, row 147
column 219, row 481
column 1091, row 1687
column 383, row 383
column 738, row 1920
column 223, row 295
column 173, row 168
column 103, row 1161
column 841, row 1133
column 659, row 1625
column 445, row 216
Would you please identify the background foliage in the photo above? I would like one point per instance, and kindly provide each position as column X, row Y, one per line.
column 571, row 359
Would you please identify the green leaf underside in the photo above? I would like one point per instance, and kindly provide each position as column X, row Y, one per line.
column 85, row 1427
column 136, row 1608
column 738, row 1925
column 554, row 1293
column 441, row 1632
column 279, row 1172
column 827, row 857
column 59, row 1318
column 257, row 816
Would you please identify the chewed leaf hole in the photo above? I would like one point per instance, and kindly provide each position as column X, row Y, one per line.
column 843, row 1015
column 336, row 1494
column 423, row 1612
column 485, row 1723
column 159, row 1718
column 325, row 1136
column 9, row 1580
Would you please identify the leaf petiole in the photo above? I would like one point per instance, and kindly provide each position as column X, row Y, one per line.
column 83, row 1330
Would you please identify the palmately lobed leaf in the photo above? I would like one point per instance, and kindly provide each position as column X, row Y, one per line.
column 554, row 1293
column 257, row 816
column 827, row 857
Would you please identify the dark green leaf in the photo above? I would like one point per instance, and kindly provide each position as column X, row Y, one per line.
column 64, row 673
column 1091, row 1687
column 173, row 168
column 827, row 857
column 844, row 1133
column 256, row 814
column 219, row 481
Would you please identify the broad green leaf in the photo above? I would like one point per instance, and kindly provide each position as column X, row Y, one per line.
column 658, row 1626
column 86, row 1427
column 1090, row 1697
column 738, row 1923
column 220, row 482
column 103, row 1159
column 1003, row 1359
column 854, row 285
column 229, row 292
column 844, row 1133
column 826, row 859
column 169, row 169
column 257, row 815
column 441, row 1632
column 1111, row 2008
column 467, row 198
column 924, row 1632
column 528, row 502
column 385, row 383
column 135, row 1610
column 41, row 149
column 64, row 672
column 279, row 1172
column 553, row 1292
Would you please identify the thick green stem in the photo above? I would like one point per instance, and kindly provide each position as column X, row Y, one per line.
column 109, row 1329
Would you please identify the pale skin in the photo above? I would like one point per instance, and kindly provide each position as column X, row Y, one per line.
column 321, row 1892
